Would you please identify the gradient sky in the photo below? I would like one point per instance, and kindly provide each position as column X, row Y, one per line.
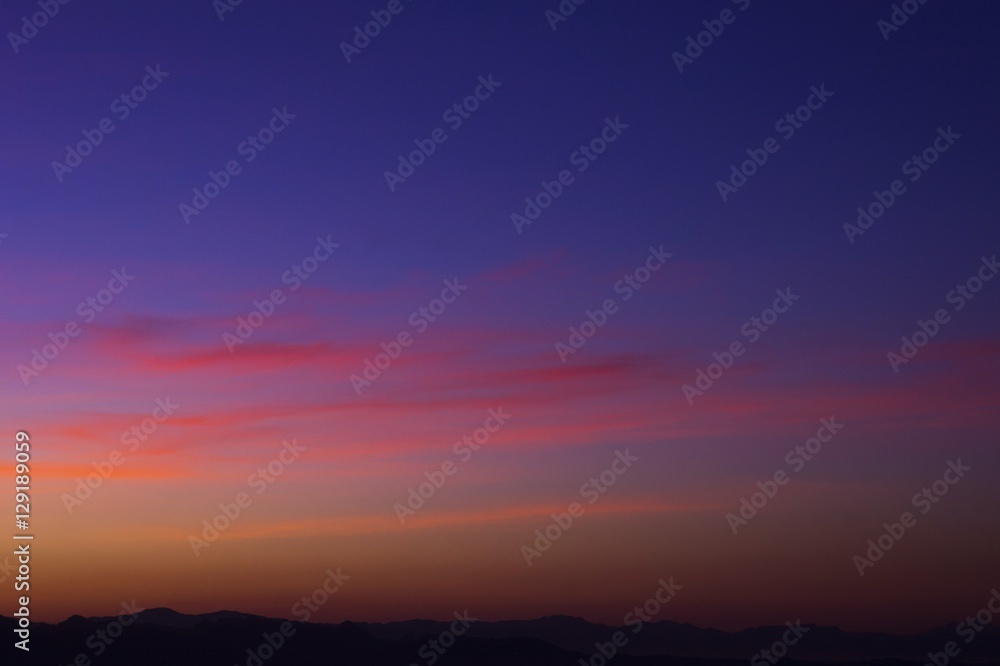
column 323, row 176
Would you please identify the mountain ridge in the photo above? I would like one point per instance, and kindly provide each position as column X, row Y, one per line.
column 553, row 639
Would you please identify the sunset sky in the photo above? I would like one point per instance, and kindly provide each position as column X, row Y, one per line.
column 317, row 197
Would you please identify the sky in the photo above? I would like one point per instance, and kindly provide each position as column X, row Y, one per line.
column 496, row 250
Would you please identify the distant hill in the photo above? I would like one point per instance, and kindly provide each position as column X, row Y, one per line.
column 685, row 640
column 163, row 637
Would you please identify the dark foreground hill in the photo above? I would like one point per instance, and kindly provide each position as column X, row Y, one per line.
column 161, row 637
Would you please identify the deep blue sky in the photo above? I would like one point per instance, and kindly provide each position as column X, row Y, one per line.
column 655, row 185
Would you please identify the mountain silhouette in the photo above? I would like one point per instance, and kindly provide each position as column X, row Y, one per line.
column 164, row 637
